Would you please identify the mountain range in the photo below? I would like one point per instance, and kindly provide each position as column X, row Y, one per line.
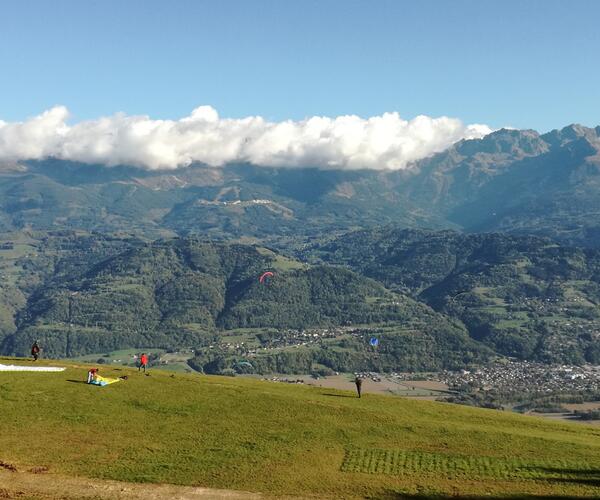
column 486, row 249
column 515, row 181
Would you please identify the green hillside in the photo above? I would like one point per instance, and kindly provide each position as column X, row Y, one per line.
column 280, row 439
column 185, row 292
column 435, row 299
column 31, row 260
column 524, row 296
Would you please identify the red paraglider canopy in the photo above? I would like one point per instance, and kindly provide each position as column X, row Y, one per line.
column 263, row 276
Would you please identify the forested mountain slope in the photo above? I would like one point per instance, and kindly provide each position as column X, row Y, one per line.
column 524, row 296
column 31, row 260
column 184, row 292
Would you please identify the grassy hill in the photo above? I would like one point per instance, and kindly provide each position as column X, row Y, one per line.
column 279, row 439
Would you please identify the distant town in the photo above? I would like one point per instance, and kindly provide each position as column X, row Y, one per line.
column 524, row 377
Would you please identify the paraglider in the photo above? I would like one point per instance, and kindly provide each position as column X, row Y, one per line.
column 243, row 366
column 265, row 277
column 374, row 342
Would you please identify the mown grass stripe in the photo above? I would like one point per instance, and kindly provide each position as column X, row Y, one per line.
column 400, row 462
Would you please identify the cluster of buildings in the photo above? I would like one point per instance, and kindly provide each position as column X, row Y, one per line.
column 234, row 202
column 527, row 378
column 288, row 338
column 375, row 377
column 284, row 380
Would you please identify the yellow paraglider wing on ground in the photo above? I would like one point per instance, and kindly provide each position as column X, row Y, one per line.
column 102, row 381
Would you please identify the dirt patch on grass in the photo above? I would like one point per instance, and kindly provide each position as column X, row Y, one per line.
column 431, row 385
column 592, row 405
column 564, row 417
column 7, row 466
column 54, row 486
column 386, row 385
column 39, row 470
column 11, row 494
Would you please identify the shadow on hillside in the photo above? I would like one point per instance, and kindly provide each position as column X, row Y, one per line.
column 336, row 395
column 576, row 476
column 585, row 477
column 422, row 496
column 589, row 477
column 13, row 358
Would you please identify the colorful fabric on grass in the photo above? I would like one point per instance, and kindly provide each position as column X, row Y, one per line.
column 102, row 381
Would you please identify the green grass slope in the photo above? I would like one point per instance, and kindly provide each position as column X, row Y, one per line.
column 280, row 439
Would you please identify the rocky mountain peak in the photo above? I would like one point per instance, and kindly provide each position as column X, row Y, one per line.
column 570, row 133
column 505, row 142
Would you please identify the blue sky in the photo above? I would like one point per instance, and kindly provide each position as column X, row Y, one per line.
column 528, row 64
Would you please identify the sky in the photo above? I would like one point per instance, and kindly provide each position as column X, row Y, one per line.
column 523, row 64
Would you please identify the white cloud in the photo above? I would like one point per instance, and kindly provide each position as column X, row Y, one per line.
column 350, row 142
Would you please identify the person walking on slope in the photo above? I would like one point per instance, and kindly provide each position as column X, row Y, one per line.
column 358, row 381
column 143, row 362
column 35, row 350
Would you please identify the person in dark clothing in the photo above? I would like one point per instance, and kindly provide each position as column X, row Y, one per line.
column 35, row 351
column 358, row 381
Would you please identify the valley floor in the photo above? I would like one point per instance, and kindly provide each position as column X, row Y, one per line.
column 377, row 384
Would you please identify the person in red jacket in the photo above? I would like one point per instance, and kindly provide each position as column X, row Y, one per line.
column 91, row 375
column 143, row 362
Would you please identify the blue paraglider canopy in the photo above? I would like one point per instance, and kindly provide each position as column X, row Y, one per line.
column 374, row 341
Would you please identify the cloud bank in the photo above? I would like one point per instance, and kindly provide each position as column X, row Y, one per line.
column 346, row 142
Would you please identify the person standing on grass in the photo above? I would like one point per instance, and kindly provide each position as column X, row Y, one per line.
column 358, row 381
column 143, row 362
column 35, row 350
